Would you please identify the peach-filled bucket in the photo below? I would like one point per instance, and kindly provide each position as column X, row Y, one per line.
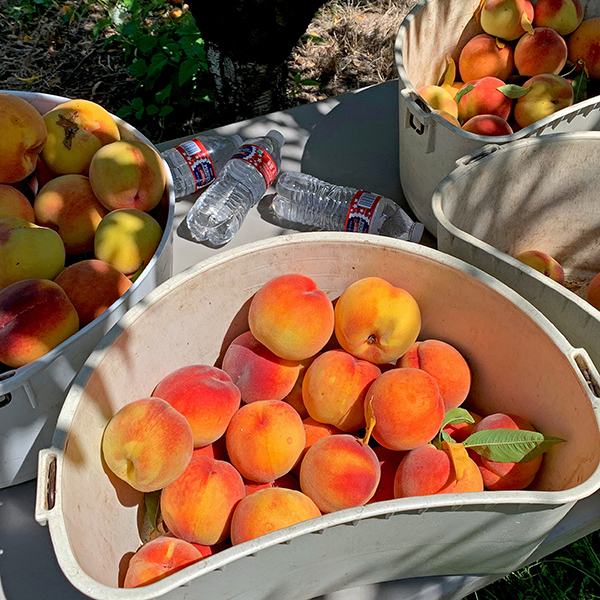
column 520, row 364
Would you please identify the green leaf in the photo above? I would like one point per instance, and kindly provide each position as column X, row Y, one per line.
column 152, row 506
column 157, row 63
column 446, row 437
column 187, row 69
column 163, row 95
column 152, row 109
column 138, row 68
column 166, row 110
column 511, row 90
column 455, row 416
column 315, row 39
column 580, row 86
column 310, row 82
column 510, row 445
column 462, row 92
column 137, row 103
column 147, row 43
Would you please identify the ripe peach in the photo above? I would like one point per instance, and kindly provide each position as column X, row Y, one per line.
column 148, row 444
column 127, row 239
column 408, row 408
column 503, row 18
column 92, row 286
column 294, row 398
column 542, row 262
column 548, row 94
column 269, row 510
column 376, row 321
column 67, row 204
column 445, row 364
column 216, row 450
column 584, row 45
column 484, row 98
column 205, row 396
column 35, row 317
column 198, row 505
column 486, row 56
column 448, row 117
column 543, row 51
column 158, row 558
column 334, row 389
column 388, row 462
column 459, row 432
column 487, row 125
column 77, row 129
column 287, row 481
column 264, row 440
column 128, row 174
column 314, row 431
column 438, row 99
column 593, row 292
column 338, row 472
column 564, row 16
column 23, row 137
column 28, row 251
column 257, row 372
column 14, row 203
column 291, row 316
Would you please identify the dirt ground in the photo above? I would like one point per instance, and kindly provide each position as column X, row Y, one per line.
column 348, row 45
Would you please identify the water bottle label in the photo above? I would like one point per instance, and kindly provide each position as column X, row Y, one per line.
column 197, row 158
column 360, row 213
column 260, row 159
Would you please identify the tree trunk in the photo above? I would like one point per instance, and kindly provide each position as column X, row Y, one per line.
column 248, row 43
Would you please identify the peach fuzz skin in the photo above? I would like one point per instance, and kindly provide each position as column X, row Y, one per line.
column 14, row 203
column 584, row 45
column 269, row 510
column 445, row 364
column 314, row 431
column 257, row 372
column 148, row 444
column 502, row 18
column 198, row 505
column 294, row 398
column 388, row 462
column 438, row 99
column 484, row 98
column 339, row 472
column 376, row 321
column 593, row 292
column 407, row 406
column 334, row 389
column 264, row 440
column 459, row 432
column 157, row 559
column 486, row 56
column 564, row 16
column 291, row 316
column 544, row 263
column 543, row 51
column 487, row 125
column 205, row 396
column 287, row 481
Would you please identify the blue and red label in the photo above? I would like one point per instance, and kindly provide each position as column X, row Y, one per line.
column 198, row 160
column 360, row 213
column 260, row 159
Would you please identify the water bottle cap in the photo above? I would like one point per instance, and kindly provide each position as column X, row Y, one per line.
column 237, row 139
column 416, row 232
column 277, row 136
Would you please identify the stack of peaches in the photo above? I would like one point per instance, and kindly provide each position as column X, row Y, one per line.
column 531, row 61
column 75, row 227
column 319, row 406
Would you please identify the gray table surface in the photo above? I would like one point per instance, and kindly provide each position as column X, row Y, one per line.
column 350, row 140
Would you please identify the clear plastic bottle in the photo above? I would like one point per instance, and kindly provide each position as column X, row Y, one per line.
column 219, row 212
column 304, row 199
column 196, row 163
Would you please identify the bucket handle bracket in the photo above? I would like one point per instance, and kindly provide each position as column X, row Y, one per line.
column 417, row 119
column 45, row 499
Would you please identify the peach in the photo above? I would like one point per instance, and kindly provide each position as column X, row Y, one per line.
column 198, row 505
column 448, row 117
column 338, row 472
column 128, row 174
column 269, row 510
column 334, row 389
column 148, row 444
column 486, row 56
column 28, row 251
column 92, row 286
column 407, row 406
column 264, row 440
column 291, row 316
column 14, row 203
column 445, row 364
column 205, row 396
column 593, row 292
column 23, row 137
column 216, row 450
column 257, row 372
column 158, row 558
column 376, row 321
column 313, row 431
column 543, row 51
column 548, row 94
column 388, row 462
column 544, row 263
column 584, row 45
column 294, row 398
column 77, row 129
column 287, row 481
column 459, row 432
column 509, row 475
column 127, row 239
column 504, row 18
column 564, row 16
column 487, row 125
column 484, row 98
column 438, row 99
column 35, row 317
column 67, row 204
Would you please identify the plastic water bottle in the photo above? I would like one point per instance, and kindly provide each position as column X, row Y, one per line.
column 304, row 199
column 219, row 212
column 195, row 163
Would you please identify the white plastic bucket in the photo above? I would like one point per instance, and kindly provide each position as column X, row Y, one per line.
column 429, row 145
column 31, row 396
column 520, row 364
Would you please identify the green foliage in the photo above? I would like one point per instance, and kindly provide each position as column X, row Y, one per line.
column 298, row 84
column 29, row 10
